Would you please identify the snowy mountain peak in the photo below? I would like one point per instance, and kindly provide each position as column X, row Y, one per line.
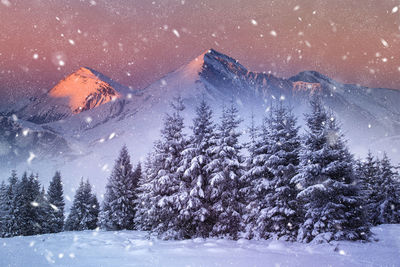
column 84, row 90
column 310, row 77
column 217, row 60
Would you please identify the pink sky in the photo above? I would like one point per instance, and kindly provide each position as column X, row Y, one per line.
column 137, row 42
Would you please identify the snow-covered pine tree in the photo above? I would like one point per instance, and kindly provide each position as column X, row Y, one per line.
column 27, row 208
column 326, row 180
column 226, row 170
column 42, row 210
column 166, row 185
column 144, row 201
column 253, row 133
column 10, row 227
column 84, row 211
column 94, row 208
column 118, row 209
column 3, row 208
column 55, row 207
column 194, row 217
column 256, row 178
column 137, row 175
column 389, row 204
column 279, row 215
column 368, row 179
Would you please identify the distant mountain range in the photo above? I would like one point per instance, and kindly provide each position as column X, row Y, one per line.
column 83, row 121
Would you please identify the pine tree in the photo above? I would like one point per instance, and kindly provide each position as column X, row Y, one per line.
column 84, row 211
column 389, row 203
column 42, row 210
column 326, row 181
column 119, row 206
column 166, row 184
column 10, row 228
column 55, row 207
column 280, row 217
column 144, row 201
column 3, row 209
column 226, row 170
column 256, row 179
column 246, row 181
column 27, row 208
column 194, row 217
column 137, row 175
column 368, row 175
column 94, row 208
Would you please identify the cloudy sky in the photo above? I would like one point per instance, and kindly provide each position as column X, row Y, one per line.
column 136, row 42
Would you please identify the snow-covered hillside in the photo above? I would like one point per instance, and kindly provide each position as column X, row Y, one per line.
column 131, row 248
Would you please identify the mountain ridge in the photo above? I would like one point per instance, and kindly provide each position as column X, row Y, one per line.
column 370, row 117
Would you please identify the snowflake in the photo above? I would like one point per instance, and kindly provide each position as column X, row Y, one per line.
column 384, row 42
column 31, row 157
column 176, row 33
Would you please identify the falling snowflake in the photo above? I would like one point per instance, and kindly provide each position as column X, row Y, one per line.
column 384, row 42
column 31, row 157
column 273, row 33
column 254, row 22
column 105, row 167
column 6, row 3
column 53, row 207
column 176, row 33
column 395, row 9
column 72, row 42
column 112, row 135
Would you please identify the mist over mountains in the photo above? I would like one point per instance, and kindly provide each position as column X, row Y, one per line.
column 81, row 123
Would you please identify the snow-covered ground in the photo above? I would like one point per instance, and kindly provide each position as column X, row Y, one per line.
column 132, row 248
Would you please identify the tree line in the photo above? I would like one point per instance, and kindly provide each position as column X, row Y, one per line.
column 288, row 186
column 26, row 208
column 280, row 185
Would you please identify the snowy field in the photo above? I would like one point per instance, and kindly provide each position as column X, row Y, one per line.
column 131, row 248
